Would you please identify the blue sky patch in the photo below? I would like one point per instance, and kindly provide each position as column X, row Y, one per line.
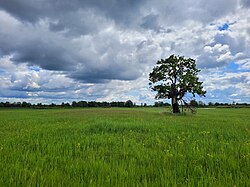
column 1, row 70
column 232, row 67
column 224, row 27
column 35, row 68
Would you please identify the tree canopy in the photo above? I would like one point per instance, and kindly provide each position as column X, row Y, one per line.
column 175, row 76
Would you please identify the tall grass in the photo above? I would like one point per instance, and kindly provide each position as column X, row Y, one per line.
column 124, row 147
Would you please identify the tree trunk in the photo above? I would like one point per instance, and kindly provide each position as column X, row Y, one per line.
column 175, row 105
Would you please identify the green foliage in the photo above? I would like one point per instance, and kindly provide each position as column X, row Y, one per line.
column 175, row 76
column 124, row 147
column 129, row 103
column 194, row 103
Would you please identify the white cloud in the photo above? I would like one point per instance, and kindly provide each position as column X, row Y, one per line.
column 89, row 50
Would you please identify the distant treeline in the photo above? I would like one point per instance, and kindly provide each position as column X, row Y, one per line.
column 216, row 104
column 129, row 103
column 201, row 104
column 79, row 104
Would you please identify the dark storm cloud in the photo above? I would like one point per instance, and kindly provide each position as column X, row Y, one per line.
column 46, row 56
column 150, row 21
column 32, row 46
column 76, row 37
column 88, row 40
column 102, row 75
column 246, row 3
column 178, row 11
column 121, row 10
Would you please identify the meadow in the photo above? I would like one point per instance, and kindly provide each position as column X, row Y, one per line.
column 124, row 147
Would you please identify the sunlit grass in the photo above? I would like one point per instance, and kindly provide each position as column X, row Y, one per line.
column 124, row 147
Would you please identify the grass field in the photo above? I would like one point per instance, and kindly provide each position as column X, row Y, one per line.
column 124, row 147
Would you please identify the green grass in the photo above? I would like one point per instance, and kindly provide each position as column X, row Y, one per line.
column 124, row 147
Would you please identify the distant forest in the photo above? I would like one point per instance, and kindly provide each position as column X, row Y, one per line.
column 129, row 104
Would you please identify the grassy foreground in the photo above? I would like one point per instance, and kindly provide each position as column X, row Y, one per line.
column 124, row 147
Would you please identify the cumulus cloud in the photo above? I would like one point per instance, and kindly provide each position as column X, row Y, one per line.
column 245, row 3
column 236, row 86
column 100, row 50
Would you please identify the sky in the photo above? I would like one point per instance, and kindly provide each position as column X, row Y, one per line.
column 94, row 50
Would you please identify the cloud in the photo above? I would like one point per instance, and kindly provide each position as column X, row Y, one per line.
column 217, row 56
column 89, row 58
column 245, row 3
column 72, row 14
column 98, row 50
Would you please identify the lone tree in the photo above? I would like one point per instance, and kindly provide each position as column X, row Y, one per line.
column 173, row 77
